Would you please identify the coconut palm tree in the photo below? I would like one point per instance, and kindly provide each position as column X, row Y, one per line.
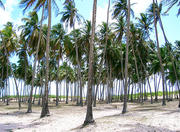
column 38, row 4
column 120, row 9
column 126, row 60
column 144, row 23
column 28, row 4
column 57, row 41
column 104, row 52
column 45, row 109
column 23, row 61
column 30, row 31
column 70, row 16
column 167, row 45
column 9, row 44
column 159, row 52
column 89, row 114
column 86, row 35
column 119, row 30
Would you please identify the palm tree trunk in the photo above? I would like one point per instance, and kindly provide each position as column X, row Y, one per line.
column 57, row 81
column 7, row 76
column 67, row 91
column 171, row 56
column 137, row 70
column 126, row 61
column 89, row 114
column 25, row 75
column 29, row 110
column 79, row 69
column 45, row 109
column 146, row 75
column 104, row 53
column 159, row 54
column 8, row 63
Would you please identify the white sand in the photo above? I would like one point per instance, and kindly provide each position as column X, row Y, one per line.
column 108, row 117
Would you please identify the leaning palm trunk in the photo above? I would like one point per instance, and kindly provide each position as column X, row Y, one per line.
column 159, row 53
column 104, row 53
column 141, row 95
column 79, row 70
column 25, row 74
column 126, row 61
column 122, row 69
column 146, row 76
column 89, row 115
column 45, row 109
column 29, row 110
column 8, row 63
column 170, row 54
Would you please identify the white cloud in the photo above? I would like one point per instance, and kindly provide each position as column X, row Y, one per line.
column 101, row 15
column 6, row 15
column 140, row 6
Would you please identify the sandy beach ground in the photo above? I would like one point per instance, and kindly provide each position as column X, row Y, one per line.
column 108, row 118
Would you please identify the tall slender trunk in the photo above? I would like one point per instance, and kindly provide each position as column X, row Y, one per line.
column 57, row 81
column 79, row 69
column 126, row 61
column 137, row 71
column 104, row 53
column 159, row 53
column 89, row 114
column 45, row 109
column 6, row 89
column 2, row 84
column 8, row 63
column 150, row 90
column 29, row 110
column 110, row 82
column 170, row 54
column 132, row 92
column 155, row 87
column 146, row 75
column 67, row 91
column 25, row 76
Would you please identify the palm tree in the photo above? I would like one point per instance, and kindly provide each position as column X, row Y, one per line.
column 57, row 38
column 27, row 4
column 104, row 53
column 133, row 42
column 2, row 5
column 45, row 109
column 167, row 44
column 126, row 60
column 144, row 23
column 9, row 44
column 30, row 31
column 70, row 16
column 159, row 52
column 89, row 114
column 23, row 61
column 119, row 29
column 120, row 9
